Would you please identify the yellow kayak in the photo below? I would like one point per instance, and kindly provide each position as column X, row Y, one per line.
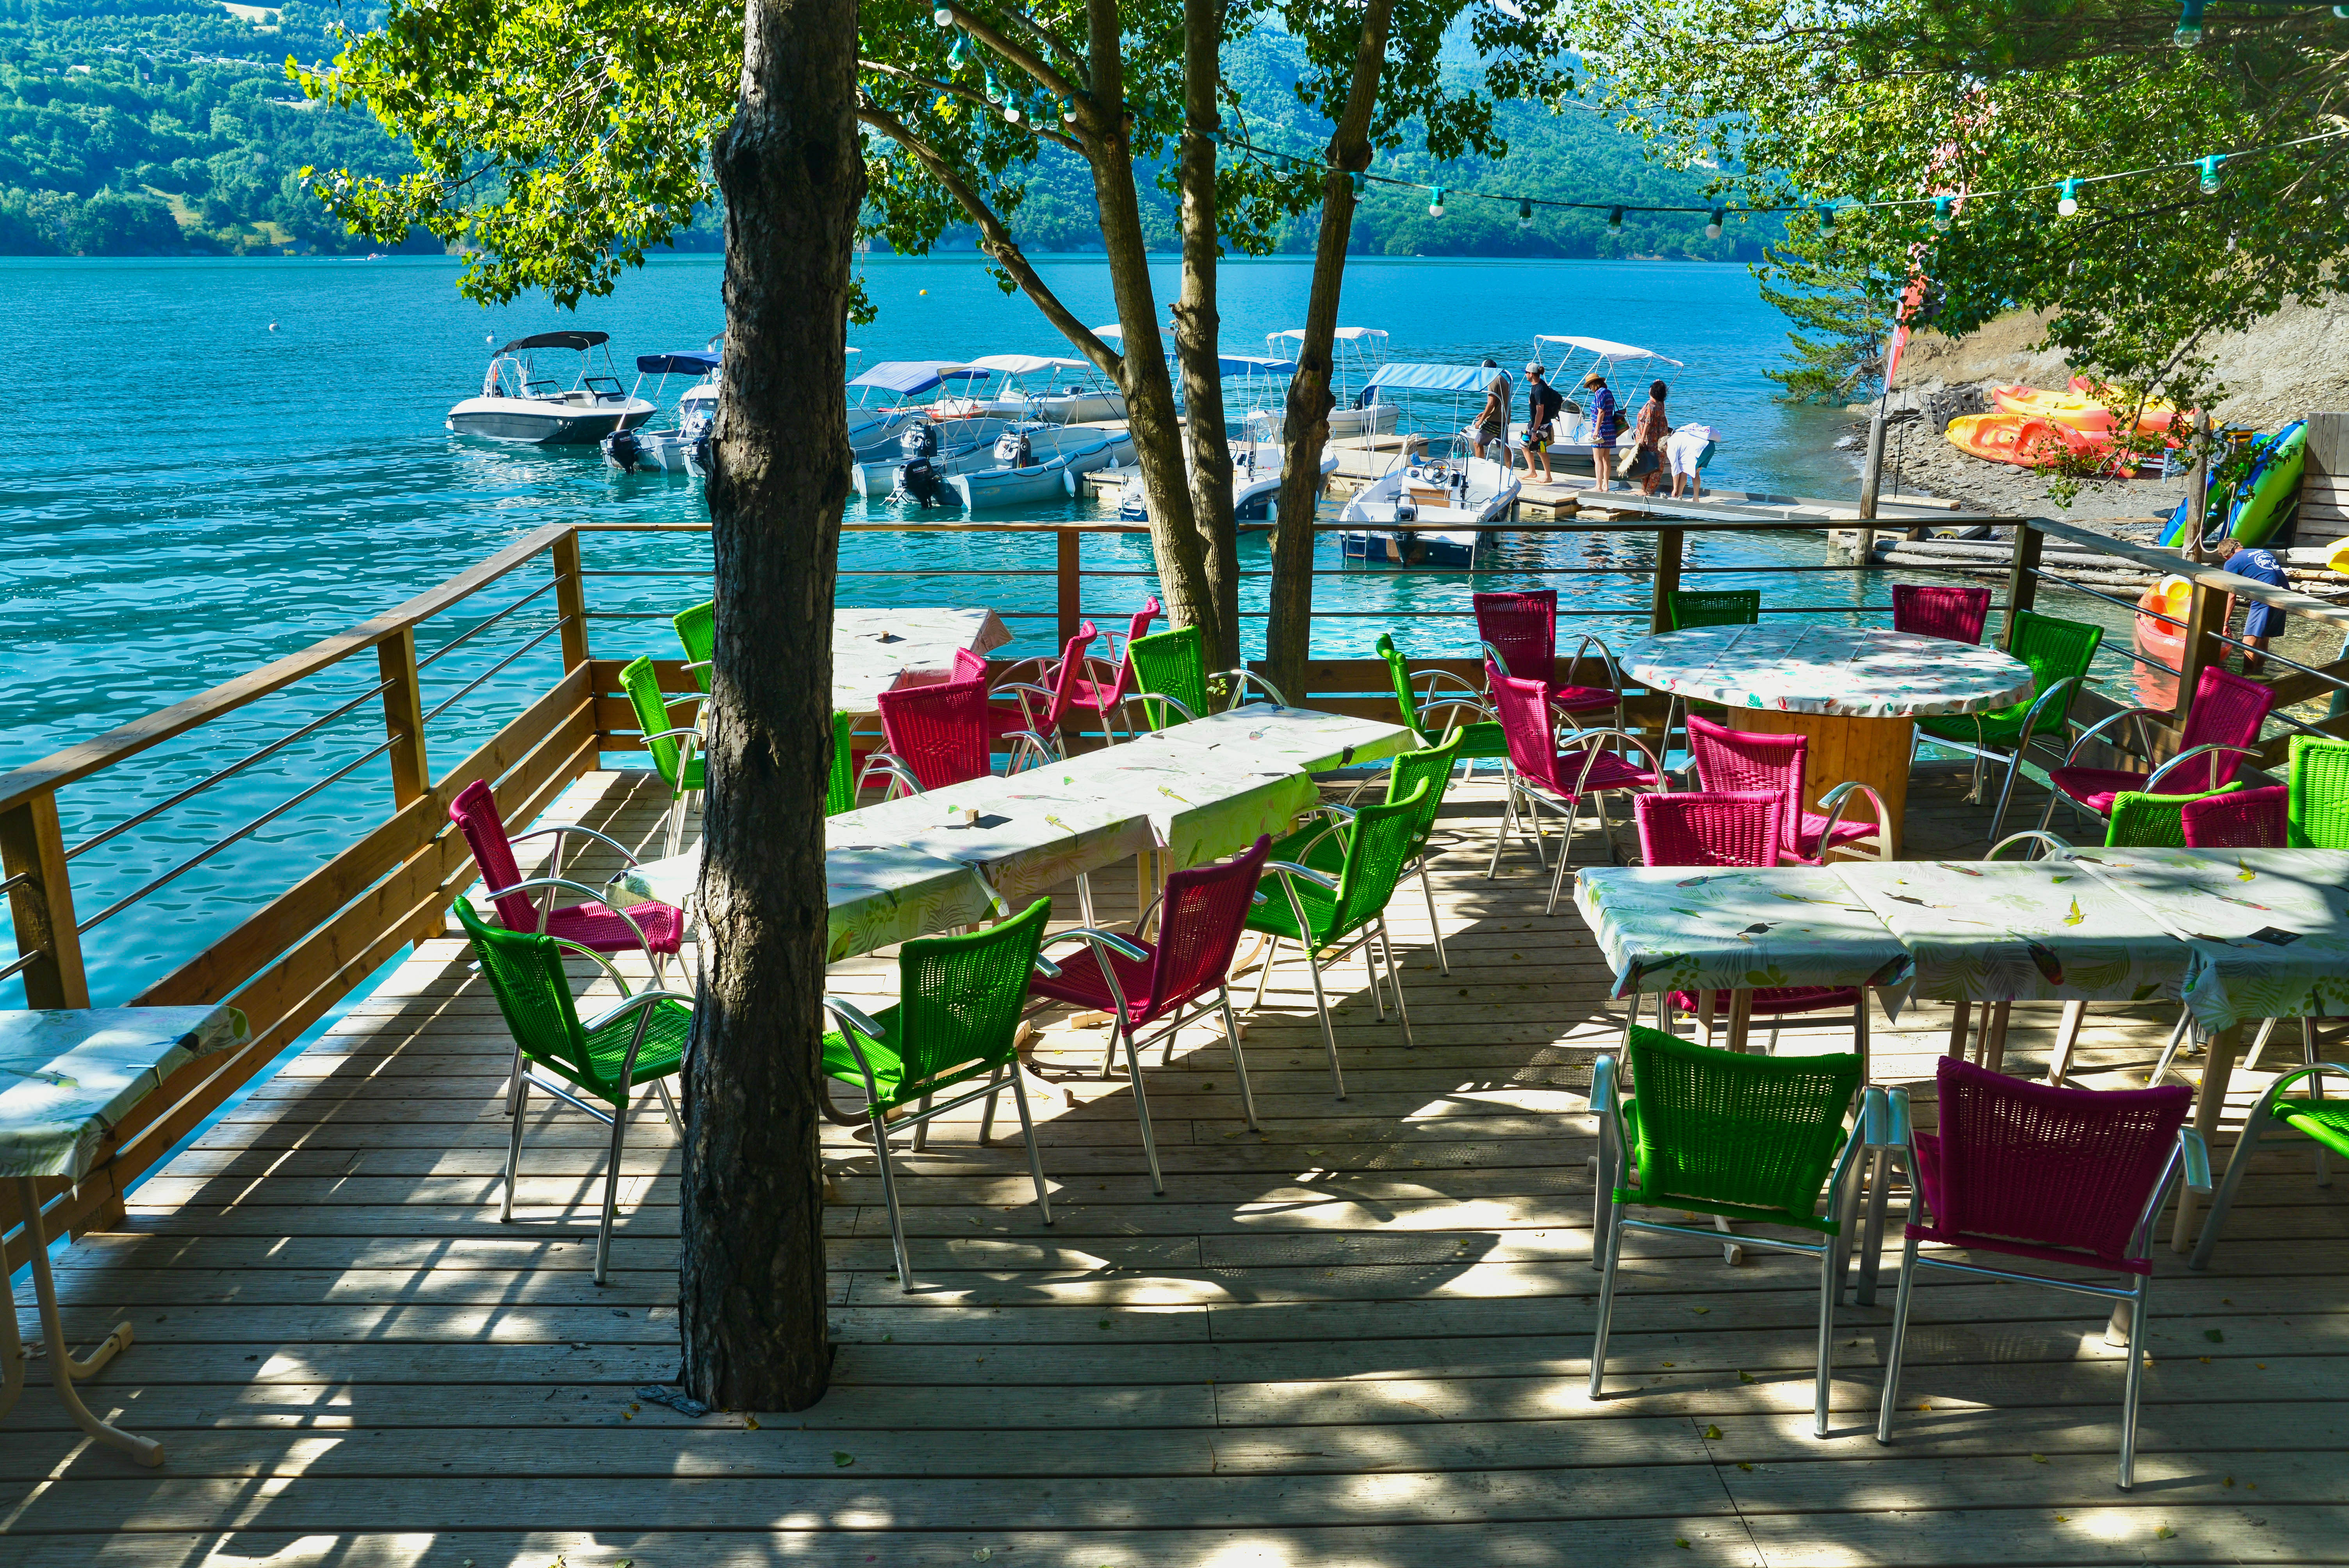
column 2079, row 409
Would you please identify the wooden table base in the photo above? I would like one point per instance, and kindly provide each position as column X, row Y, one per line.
column 1870, row 751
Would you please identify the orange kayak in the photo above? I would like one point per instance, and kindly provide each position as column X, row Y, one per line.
column 2028, row 441
column 2079, row 408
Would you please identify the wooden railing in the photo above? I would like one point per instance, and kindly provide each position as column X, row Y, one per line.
column 308, row 946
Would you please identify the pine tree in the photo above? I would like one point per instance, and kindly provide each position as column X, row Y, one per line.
column 1841, row 320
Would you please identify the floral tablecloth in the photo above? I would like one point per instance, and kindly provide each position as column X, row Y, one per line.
column 872, row 648
column 1853, row 672
column 880, row 894
column 1673, row 928
column 2265, row 932
column 68, row 1075
column 2035, row 931
column 1301, row 737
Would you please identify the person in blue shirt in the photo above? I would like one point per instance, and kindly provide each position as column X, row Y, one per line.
column 2261, row 622
column 1605, row 423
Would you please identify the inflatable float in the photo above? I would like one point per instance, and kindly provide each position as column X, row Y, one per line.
column 2160, row 645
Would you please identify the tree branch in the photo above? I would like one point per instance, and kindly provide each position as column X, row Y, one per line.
column 968, row 96
column 1027, row 61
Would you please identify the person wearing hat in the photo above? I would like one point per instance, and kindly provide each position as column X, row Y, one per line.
column 1605, row 423
column 1543, row 405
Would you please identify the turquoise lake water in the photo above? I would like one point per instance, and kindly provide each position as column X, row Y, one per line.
column 209, row 494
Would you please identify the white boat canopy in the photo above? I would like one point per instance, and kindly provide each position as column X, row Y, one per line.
column 1606, row 350
column 1025, row 364
column 1345, row 334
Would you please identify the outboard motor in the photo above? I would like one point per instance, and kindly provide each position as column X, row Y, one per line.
column 621, row 449
column 921, row 481
column 1012, row 450
column 920, row 439
column 697, row 455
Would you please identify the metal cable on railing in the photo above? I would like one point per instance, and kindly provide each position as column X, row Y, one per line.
column 2332, row 680
column 494, row 670
column 19, row 965
column 476, row 631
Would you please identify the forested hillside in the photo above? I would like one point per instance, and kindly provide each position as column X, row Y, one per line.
column 147, row 127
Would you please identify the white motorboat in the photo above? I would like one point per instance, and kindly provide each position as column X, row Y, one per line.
column 1355, row 354
column 1024, row 475
column 518, row 404
column 1577, row 357
column 1255, row 486
column 1456, row 488
column 1028, row 393
column 673, row 450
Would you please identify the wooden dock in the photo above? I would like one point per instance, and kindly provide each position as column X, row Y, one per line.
column 1357, row 1337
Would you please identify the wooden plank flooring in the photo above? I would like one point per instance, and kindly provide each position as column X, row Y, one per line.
column 1355, row 1336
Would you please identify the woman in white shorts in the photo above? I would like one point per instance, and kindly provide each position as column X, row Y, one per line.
column 1688, row 450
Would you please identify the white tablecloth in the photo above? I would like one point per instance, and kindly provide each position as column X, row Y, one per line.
column 1850, row 672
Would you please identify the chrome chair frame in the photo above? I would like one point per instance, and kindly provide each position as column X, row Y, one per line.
column 1362, row 938
column 1984, row 751
column 1535, row 794
column 2152, row 779
column 2255, row 1127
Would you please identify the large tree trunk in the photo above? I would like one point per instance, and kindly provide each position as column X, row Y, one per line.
column 1197, row 329
column 750, row 1291
column 1149, row 391
column 1288, row 633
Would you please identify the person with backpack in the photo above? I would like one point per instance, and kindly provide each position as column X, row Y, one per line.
column 1543, row 405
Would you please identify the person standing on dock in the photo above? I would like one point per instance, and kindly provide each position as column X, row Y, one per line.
column 1651, row 431
column 1493, row 420
column 1605, row 423
column 2261, row 622
column 1689, row 449
column 1543, row 405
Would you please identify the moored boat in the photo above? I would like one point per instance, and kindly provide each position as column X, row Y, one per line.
column 518, row 404
column 676, row 449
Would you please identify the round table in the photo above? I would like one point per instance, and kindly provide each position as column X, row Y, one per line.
column 1853, row 691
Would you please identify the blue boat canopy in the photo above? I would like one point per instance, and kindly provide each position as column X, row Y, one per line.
column 1253, row 364
column 685, row 362
column 1406, row 378
column 912, row 375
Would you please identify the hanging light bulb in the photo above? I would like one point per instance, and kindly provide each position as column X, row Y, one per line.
column 2190, row 25
column 2210, row 167
column 1713, row 229
column 957, row 52
column 1615, row 217
column 1826, row 221
column 1941, row 219
column 1068, row 111
column 2068, row 203
column 1524, row 213
column 942, row 17
column 1436, row 206
column 1011, row 110
column 1360, row 181
column 994, row 88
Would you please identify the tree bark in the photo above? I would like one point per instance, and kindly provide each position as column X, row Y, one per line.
column 1149, row 391
column 751, row 1276
column 1198, row 329
column 1288, row 631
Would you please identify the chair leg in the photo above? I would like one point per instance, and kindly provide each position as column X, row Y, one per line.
column 1565, row 851
column 2315, row 1092
column 1900, row 1303
column 1264, row 970
column 1871, row 1235
column 2259, row 1044
column 1443, row 959
column 1035, row 1160
column 1371, row 967
column 1509, row 821
column 987, row 1115
column 2177, row 1034
column 1831, row 1257
column 611, row 1192
column 922, row 1127
column 513, row 1149
column 1085, row 898
column 2067, row 1035
column 1606, row 1303
column 1141, row 1108
column 668, row 1104
column 2140, row 1310
column 2254, row 1125
column 1602, row 1191
column 1239, row 1056
column 1386, row 950
column 514, row 1085
column 1322, row 1006
column 2005, row 794
column 889, row 1196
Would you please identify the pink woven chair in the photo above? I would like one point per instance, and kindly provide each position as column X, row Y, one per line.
column 2066, row 1175
column 1539, row 772
column 1520, row 635
column 941, row 733
column 2222, row 727
column 1734, row 759
column 657, row 930
column 1037, row 708
column 1731, row 827
column 1103, row 686
column 1138, row 984
column 1956, row 613
column 2246, row 820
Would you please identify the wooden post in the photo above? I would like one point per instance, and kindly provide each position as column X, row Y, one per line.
column 1871, row 480
column 2023, row 581
column 33, row 846
column 1668, row 579
column 2205, row 614
column 570, row 600
column 403, row 715
column 1069, row 562
column 2197, row 489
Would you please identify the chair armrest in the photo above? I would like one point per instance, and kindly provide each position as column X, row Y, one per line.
column 614, row 844
column 1098, row 939
column 594, row 896
column 1123, row 947
column 610, row 969
column 2051, row 847
column 1590, row 738
column 1614, row 669
column 641, row 999
column 1432, row 676
column 1239, row 692
column 1043, row 748
column 1022, row 687
column 1834, row 801
column 687, row 733
column 2031, row 717
column 1175, row 703
column 2196, row 1155
column 1472, row 702
column 1291, row 868
column 1493, row 661
column 2110, row 719
column 2159, row 774
column 855, row 1019
column 699, row 664
column 882, row 762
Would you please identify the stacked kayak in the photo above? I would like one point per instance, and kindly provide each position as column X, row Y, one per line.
column 2079, row 409
column 2026, row 440
column 2251, row 509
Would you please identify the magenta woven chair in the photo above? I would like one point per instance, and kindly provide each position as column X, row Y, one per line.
column 1731, row 827
column 2246, row 820
column 1956, row 613
column 2064, row 1175
column 939, row 733
column 1737, row 759
column 1539, row 773
column 2221, row 728
column 1138, row 984
column 1520, row 633
column 655, row 930
column 1037, row 708
column 1102, row 686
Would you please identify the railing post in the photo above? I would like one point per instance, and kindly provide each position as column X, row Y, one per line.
column 403, row 716
column 1071, row 575
column 1668, row 579
column 33, row 846
column 571, row 599
column 2023, row 581
column 2205, row 614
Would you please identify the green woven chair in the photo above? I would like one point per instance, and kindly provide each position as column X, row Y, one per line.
column 840, row 790
column 2318, row 778
column 1690, row 607
column 2324, row 1121
column 1740, row 1137
column 698, row 629
column 956, row 1019
column 1333, row 915
column 596, row 1064
column 2143, row 821
column 670, row 743
column 1323, row 848
column 1479, row 738
column 2059, row 652
column 1171, row 679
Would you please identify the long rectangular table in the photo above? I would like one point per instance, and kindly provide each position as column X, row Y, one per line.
column 67, row 1077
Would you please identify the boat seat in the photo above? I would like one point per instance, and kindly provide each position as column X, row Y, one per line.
column 1424, row 496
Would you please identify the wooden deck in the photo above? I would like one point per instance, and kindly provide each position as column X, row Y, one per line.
column 1358, row 1337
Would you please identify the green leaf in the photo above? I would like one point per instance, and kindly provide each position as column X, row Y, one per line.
column 843, row 1459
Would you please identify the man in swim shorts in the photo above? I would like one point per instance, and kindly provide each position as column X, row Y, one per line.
column 2261, row 622
column 1687, row 450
